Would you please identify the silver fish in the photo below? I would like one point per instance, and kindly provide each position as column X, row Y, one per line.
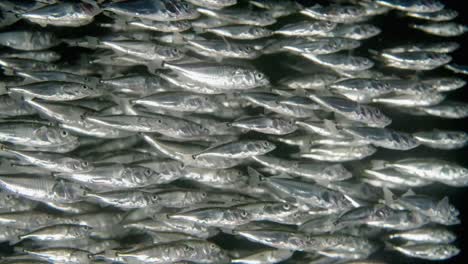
column 41, row 188
column 190, row 250
column 432, row 169
column 265, row 256
column 58, row 233
column 442, row 29
column 166, row 125
column 63, row 14
column 426, row 235
column 175, row 26
column 154, row 10
column 148, row 51
column 336, row 13
column 314, row 171
column 213, row 4
column 267, row 125
column 55, row 91
column 241, row 17
column 61, row 255
column 353, row 111
column 420, row 6
column 221, row 76
column 241, row 32
column 237, row 149
column 384, row 137
column 310, row 194
column 382, row 216
column 28, row 40
column 442, row 139
column 306, row 28
column 428, row 251
column 51, row 161
column 438, row 16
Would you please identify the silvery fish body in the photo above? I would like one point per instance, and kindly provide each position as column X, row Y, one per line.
column 56, row 91
column 28, row 40
column 42, row 188
column 438, row 16
column 383, row 137
column 63, row 14
column 306, row 28
column 442, row 139
column 428, row 251
column 442, row 29
column 241, row 32
column 336, row 13
column 315, row 171
column 354, row 111
column 154, row 10
column 221, row 76
column 432, row 169
column 426, row 235
column 420, row 6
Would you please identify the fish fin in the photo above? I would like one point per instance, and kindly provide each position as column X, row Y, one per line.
column 227, row 230
column 443, row 204
column 331, row 126
column 408, row 193
column 15, row 240
column 198, row 30
column 388, row 196
column 378, row 164
column 155, row 65
column 373, row 52
column 92, row 40
column 255, row 177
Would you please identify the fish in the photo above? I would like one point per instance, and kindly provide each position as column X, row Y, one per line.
column 442, row 29
column 154, row 11
column 425, row 235
column 63, row 14
column 29, row 40
column 418, row 6
column 226, row 131
column 222, row 76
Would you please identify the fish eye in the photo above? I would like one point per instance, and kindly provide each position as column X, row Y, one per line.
column 243, row 213
column 85, row 163
column 64, row 133
column 286, row 206
column 8, row 196
column 154, row 197
column 186, row 248
column 213, row 246
column 85, row 87
column 174, row 50
column 159, row 121
column 147, row 172
column 259, row 75
column 266, row 143
column 182, row 166
column 204, row 194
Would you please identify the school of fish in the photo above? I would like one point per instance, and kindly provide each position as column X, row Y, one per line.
column 160, row 137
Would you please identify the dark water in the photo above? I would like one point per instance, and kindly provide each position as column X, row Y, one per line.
column 395, row 32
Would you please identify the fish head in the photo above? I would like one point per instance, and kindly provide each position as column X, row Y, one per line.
column 337, row 172
column 264, row 146
column 55, row 135
column 140, row 175
column 77, row 165
column 259, row 31
column 69, row 192
column 181, row 9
